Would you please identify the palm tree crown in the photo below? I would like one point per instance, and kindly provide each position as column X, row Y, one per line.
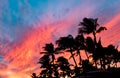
column 88, row 25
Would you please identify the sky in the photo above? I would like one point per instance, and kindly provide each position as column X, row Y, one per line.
column 26, row 25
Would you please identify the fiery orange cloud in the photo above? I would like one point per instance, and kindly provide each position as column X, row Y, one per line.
column 23, row 56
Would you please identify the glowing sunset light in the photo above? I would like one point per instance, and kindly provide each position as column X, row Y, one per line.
column 26, row 26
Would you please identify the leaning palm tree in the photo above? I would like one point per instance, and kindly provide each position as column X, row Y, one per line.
column 67, row 43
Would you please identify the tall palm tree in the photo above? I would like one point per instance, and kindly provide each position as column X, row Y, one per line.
column 90, row 25
column 67, row 43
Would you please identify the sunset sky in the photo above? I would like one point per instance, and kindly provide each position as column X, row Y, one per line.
column 26, row 25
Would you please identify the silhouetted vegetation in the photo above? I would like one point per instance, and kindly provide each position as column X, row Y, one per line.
column 99, row 60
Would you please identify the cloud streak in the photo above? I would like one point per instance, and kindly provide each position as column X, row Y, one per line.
column 31, row 25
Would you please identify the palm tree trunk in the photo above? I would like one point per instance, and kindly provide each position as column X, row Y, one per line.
column 52, row 59
column 95, row 42
column 73, row 57
column 86, row 54
column 80, row 57
column 94, row 34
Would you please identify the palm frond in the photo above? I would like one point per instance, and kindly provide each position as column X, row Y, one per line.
column 43, row 52
column 101, row 29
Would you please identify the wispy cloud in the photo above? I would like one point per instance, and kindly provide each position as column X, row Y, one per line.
column 26, row 26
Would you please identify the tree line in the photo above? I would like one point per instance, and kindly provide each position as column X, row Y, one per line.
column 98, row 56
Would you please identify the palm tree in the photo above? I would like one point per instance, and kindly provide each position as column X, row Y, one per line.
column 79, row 45
column 90, row 25
column 90, row 46
column 46, row 65
column 98, row 53
column 64, row 66
column 51, row 51
column 67, row 43
column 48, row 60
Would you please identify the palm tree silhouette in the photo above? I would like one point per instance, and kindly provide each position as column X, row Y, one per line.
column 49, row 59
column 79, row 45
column 98, row 52
column 90, row 46
column 64, row 66
column 67, row 43
column 90, row 25
column 46, row 65
column 51, row 51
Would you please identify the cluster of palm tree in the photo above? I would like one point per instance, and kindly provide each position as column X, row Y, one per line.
column 98, row 56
